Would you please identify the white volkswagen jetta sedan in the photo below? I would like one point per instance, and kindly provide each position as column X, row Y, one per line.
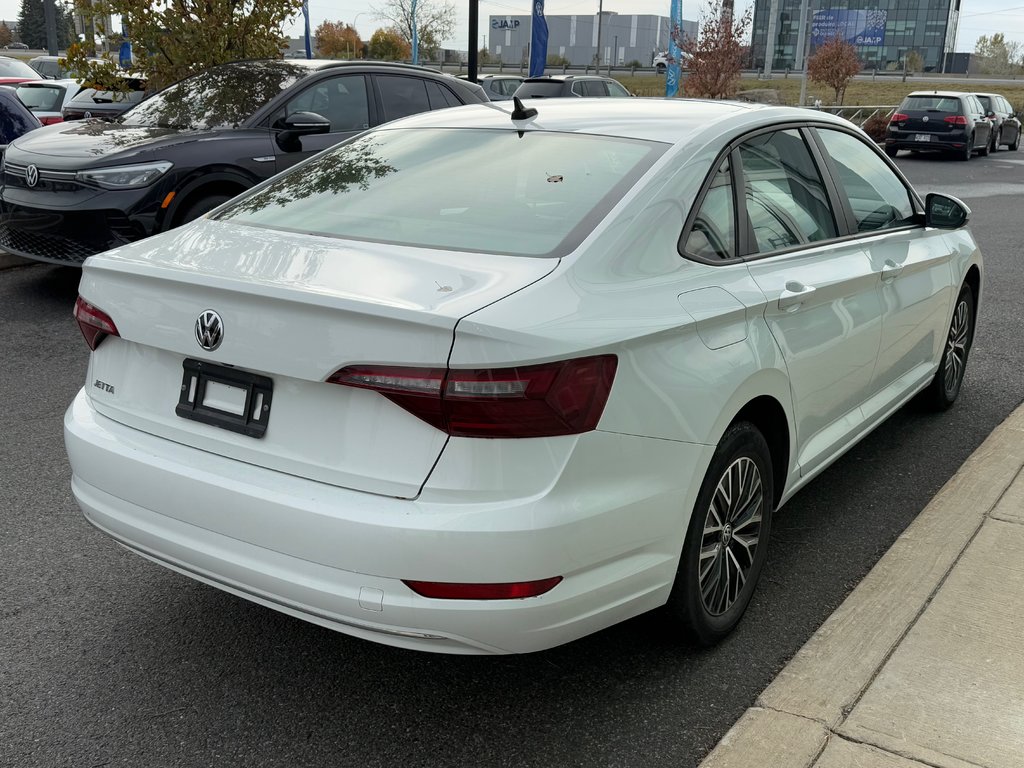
column 486, row 380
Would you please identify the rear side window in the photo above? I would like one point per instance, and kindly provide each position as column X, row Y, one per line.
column 948, row 104
column 986, row 102
column 47, row 98
column 713, row 233
column 785, row 197
column 402, row 96
column 878, row 197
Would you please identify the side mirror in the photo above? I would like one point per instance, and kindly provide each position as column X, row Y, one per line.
column 945, row 212
column 293, row 127
column 990, row 115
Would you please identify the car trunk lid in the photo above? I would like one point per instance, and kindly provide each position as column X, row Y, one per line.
column 294, row 309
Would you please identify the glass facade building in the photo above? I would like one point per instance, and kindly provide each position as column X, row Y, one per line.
column 925, row 26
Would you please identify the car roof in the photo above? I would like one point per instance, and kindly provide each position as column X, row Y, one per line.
column 564, row 78
column 944, row 94
column 666, row 120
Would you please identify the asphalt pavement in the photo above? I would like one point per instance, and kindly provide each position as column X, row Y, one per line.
column 108, row 660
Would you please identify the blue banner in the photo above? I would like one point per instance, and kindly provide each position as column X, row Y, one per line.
column 674, row 71
column 415, row 35
column 305, row 14
column 538, row 40
column 855, row 27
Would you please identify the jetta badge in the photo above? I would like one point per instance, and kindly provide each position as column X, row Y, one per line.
column 209, row 330
column 31, row 175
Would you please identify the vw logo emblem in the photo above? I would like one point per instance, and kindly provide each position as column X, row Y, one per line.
column 31, row 175
column 209, row 330
column 87, row 115
column 924, row 119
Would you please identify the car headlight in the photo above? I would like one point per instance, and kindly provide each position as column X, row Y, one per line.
column 125, row 176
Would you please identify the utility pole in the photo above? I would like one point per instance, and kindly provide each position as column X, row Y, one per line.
column 769, row 43
column 600, row 16
column 808, row 9
column 474, row 35
column 800, row 62
column 50, row 21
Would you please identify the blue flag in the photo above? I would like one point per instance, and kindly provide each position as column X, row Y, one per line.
column 539, row 41
column 309, row 45
column 415, row 36
column 675, row 55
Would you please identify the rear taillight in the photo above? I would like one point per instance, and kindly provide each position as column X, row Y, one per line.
column 446, row 590
column 51, row 120
column 94, row 323
column 561, row 398
column 899, row 117
column 955, row 120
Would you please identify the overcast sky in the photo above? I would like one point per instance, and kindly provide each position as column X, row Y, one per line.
column 977, row 17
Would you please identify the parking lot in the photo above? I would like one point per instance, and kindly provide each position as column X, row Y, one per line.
column 108, row 660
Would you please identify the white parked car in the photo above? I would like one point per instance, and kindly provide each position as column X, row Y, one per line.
column 46, row 98
column 348, row 395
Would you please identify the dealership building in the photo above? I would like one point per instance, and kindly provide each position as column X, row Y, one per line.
column 883, row 31
column 624, row 38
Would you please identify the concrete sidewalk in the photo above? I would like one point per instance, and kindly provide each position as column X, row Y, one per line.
column 923, row 664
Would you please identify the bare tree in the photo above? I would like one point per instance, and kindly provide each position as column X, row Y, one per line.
column 435, row 20
column 834, row 64
column 716, row 55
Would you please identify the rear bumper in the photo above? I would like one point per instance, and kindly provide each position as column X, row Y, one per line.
column 937, row 142
column 615, row 542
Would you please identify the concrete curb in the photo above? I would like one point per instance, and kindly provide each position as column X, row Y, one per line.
column 8, row 260
column 796, row 720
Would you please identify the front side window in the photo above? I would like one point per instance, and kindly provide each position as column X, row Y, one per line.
column 342, row 100
column 486, row 191
column 878, row 198
column 713, row 233
column 785, row 197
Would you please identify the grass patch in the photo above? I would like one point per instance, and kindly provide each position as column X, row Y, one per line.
column 884, row 91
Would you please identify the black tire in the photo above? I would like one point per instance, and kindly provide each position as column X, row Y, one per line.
column 983, row 152
column 891, row 151
column 705, row 610
column 945, row 387
column 1016, row 142
column 997, row 137
column 203, row 205
column 967, row 151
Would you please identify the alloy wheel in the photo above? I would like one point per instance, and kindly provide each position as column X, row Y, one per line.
column 732, row 532
column 956, row 347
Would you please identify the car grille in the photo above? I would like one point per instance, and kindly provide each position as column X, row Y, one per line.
column 50, row 247
column 15, row 175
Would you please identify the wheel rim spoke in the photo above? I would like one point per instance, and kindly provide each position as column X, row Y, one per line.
column 731, row 535
column 956, row 347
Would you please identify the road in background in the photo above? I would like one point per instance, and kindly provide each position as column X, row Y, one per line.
column 109, row 660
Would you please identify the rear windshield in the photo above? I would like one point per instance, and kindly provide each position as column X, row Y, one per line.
column 42, row 98
column 544, row 90
column 16, row 68
column 488, row 191
column 931, row 104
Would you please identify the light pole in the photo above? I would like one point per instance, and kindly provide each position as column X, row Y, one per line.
column 600, row 15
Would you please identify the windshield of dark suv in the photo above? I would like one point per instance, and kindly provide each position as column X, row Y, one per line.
column 222, row 97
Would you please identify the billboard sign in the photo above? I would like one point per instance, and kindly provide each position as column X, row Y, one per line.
column 855, row 27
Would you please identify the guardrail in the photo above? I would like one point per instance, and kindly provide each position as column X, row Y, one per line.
column 860, row 114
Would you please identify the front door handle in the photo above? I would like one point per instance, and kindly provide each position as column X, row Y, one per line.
column 794, row 294
column 891, row 270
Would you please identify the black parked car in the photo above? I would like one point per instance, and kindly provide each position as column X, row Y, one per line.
column 15, row 118
column 75, row 189
column 1005, row 124
column 561, row 86
column 944, row 121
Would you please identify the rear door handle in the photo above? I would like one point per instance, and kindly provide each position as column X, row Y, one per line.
column 891, row 270
column 794, row 294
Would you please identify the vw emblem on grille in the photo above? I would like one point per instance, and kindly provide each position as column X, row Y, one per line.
column 924, row 119
column 87, row 115
column 31, row 175
column 209, row 330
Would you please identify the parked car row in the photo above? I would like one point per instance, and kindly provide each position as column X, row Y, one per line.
column 950, row 121
column 504, row 87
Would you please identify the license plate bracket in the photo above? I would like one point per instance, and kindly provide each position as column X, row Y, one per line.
column 923, row 137
column 224, row 397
